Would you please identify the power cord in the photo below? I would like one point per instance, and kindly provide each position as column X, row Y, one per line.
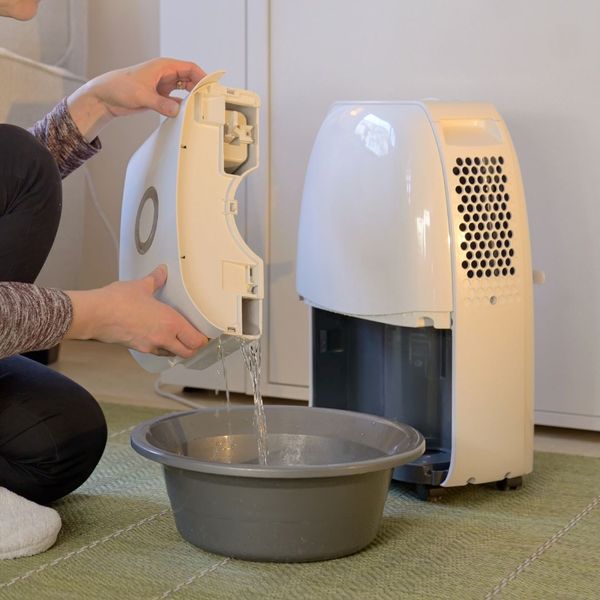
column 175, row 397
column 101, row 213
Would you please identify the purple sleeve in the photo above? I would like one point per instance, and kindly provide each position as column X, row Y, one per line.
column 32, row 318
column 58, row 132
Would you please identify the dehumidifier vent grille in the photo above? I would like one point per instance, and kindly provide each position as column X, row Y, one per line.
column 484, row 215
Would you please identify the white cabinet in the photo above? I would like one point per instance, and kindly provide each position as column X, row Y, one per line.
column 536, row 61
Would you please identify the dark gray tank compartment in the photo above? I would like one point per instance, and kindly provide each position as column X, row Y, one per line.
column 400, row 373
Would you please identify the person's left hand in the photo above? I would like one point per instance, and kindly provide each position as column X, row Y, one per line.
column 131, row 90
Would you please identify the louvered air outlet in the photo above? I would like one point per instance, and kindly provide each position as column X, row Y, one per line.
column 484, row 215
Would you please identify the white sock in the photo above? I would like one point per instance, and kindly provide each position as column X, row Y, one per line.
column 26, row 528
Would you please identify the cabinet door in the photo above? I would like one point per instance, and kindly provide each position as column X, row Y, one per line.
column 233, row 36
column 285, row 340
column 213, row 35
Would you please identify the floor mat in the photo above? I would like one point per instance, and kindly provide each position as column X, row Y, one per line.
column 119, row 541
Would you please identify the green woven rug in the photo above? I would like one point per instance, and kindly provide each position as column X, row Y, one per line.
column 119, row 541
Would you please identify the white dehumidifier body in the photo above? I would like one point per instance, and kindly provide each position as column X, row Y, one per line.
column 414, row 256
column 179, row 209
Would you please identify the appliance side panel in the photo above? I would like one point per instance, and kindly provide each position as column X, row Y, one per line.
column 492, row 411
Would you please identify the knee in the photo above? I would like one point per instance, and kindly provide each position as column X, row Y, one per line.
column 80, row 442
column 62, row 438
column 80, row 437
column 87, row 425
column 32, row 169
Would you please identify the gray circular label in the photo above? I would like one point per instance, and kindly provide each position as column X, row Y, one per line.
column 150, row 195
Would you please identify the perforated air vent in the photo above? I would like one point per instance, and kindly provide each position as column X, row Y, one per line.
column 484, row 213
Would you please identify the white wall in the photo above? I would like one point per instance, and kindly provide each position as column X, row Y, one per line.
column 54, row 37
column 114, row 34
column 537, row 61
column 31, row 86
column 120, row 34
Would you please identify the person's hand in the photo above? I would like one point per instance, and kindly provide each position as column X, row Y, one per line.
column 146, row 86
column 127, row 313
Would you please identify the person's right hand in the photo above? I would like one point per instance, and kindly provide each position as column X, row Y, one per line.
column 127, row 313
column 147, row 86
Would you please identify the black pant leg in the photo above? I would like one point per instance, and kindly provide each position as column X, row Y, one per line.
column 52, row 431
column 30, row 204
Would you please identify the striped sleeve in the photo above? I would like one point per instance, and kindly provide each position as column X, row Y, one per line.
column 58, row 132
column 32, row 318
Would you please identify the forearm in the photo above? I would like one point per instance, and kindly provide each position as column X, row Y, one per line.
column 89, row 113
column 32, row 318
column 88, row 308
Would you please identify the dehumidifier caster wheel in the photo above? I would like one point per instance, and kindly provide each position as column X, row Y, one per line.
column 429, row 492
column 509, row 483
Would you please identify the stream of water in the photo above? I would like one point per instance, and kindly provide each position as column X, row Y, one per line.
column 251, row 354
column 224, row 373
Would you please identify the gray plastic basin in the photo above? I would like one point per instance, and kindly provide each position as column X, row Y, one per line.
column 320, row 496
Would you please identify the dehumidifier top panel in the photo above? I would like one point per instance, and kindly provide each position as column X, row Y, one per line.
column 373, row 237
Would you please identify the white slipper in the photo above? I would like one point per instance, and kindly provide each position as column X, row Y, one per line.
column 26, row 528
